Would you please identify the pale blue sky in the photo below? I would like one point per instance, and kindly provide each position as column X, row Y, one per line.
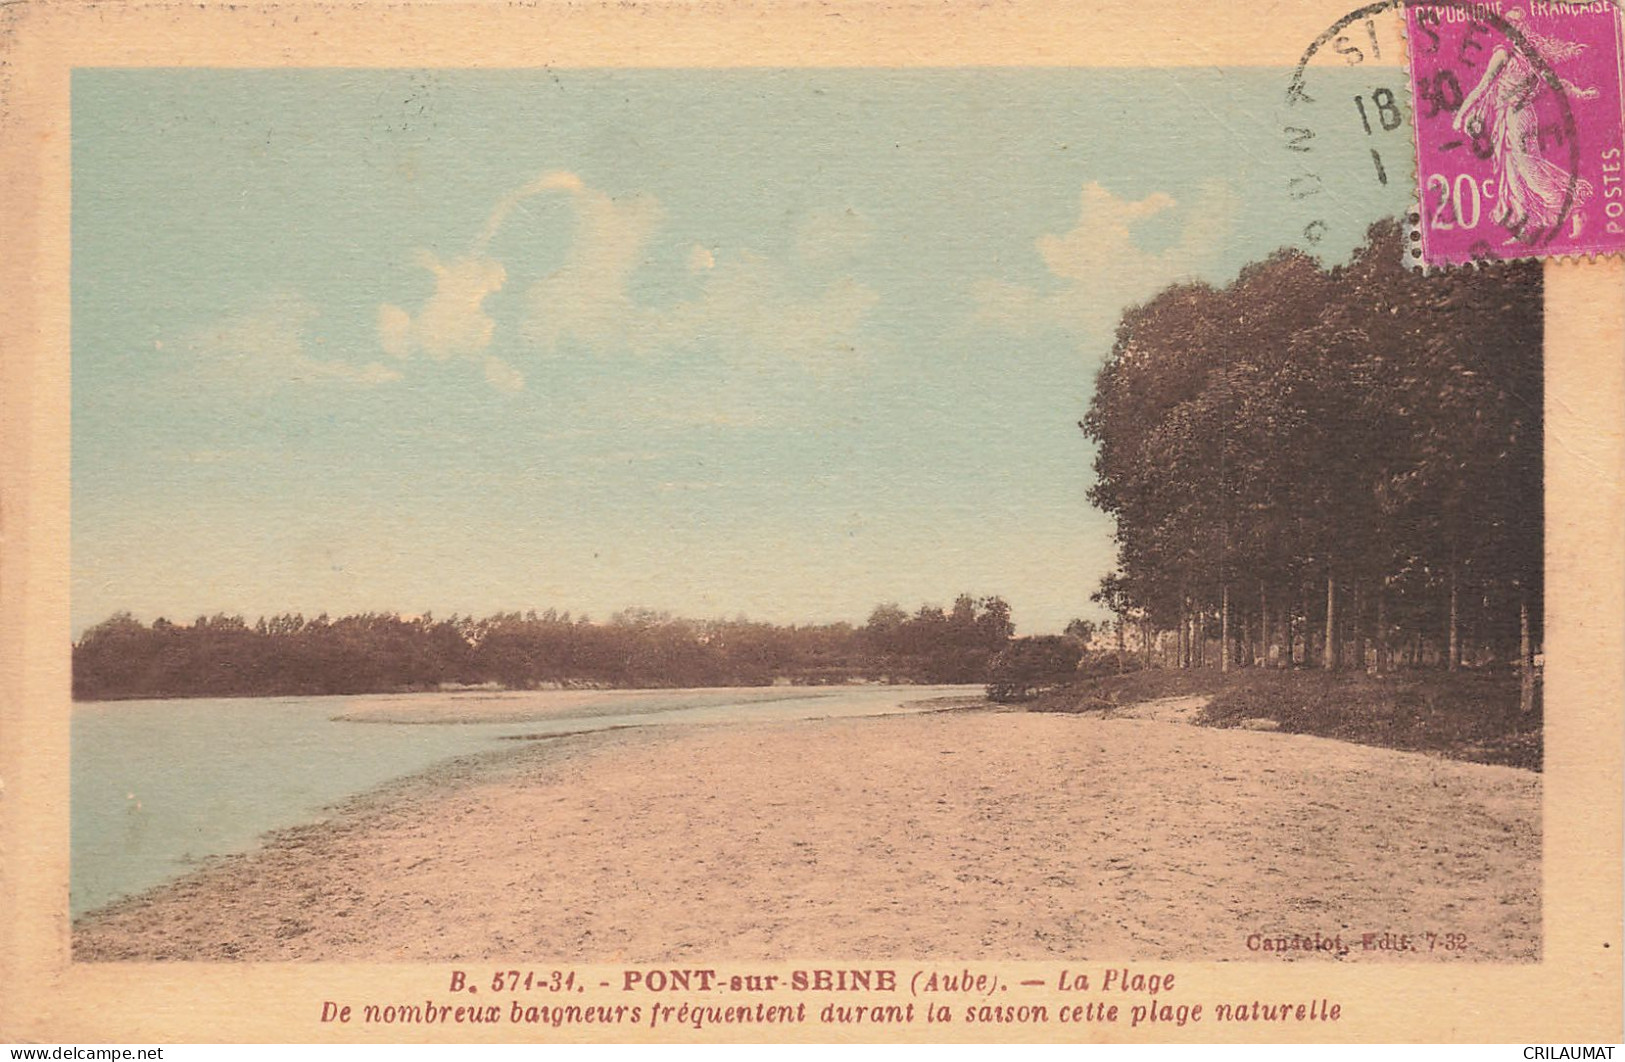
column 780, row 343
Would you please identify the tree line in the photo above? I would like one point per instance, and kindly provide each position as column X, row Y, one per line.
column 288, row 655
column 1328, row 467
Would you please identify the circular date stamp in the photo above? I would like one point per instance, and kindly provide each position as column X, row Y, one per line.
column 1513, row 120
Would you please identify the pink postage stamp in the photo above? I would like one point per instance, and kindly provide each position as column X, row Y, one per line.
column 1518, row 129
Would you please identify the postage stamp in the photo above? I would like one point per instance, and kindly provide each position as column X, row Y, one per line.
column 756, row 521
column 1519, row 133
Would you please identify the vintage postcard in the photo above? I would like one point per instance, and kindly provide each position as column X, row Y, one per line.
column 812, row 521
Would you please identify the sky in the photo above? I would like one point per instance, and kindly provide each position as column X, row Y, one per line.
column 781, row 344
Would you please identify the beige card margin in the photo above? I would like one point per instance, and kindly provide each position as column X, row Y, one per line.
column 1573, row 995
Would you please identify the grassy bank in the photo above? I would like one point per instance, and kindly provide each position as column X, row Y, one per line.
column 1471, row 716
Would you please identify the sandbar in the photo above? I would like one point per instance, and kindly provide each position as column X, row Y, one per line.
column 955, row 835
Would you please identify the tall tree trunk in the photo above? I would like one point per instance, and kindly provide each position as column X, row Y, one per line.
column 1263, row 624
column 1309, row 645
column 1145, row 640
column 1453, row 658
column 1190, row 642
column 1183, row 647
column 1224, row 628
column 1329, row 660
column 1526, row 656
column 1382, row 627
column 1121, row 665
column 1357, row 621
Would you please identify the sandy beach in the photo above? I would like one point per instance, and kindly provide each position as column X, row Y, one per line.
column 966, row 834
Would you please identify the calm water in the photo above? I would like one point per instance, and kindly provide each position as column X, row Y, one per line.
column 160, row 785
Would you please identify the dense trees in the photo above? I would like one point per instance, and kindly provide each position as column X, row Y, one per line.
column 224, row 656
column 1334, row 467
column 937, row 646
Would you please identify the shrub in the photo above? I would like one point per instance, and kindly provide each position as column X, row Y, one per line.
column 1028, row 665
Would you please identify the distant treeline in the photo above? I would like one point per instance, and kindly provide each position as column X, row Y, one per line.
column 288, row 655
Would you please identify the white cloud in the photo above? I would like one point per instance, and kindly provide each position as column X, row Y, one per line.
column 585, row 300
column 748, row 310
column 395, row 330
column 832, row 235
column 1102, row 263
column 265, row 348
column 452, row 322
column 555, row 181
column 752, row 313
column 502, row 376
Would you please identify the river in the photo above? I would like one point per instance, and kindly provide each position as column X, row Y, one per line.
column 159, row 786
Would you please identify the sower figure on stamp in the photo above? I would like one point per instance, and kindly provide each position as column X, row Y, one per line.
column 1532, row 188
